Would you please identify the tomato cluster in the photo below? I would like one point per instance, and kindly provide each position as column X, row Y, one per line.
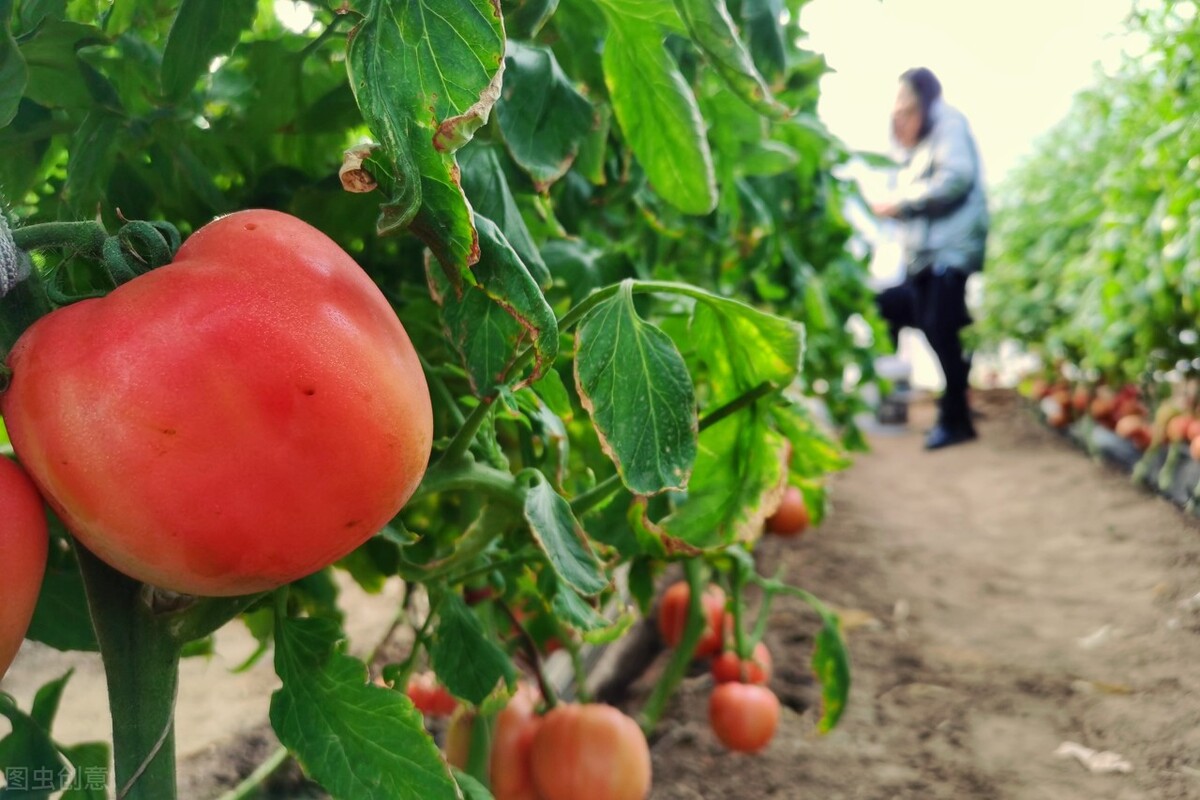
column 574, row 752
column 742, row 711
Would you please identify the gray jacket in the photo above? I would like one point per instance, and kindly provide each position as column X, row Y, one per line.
column 943, row 208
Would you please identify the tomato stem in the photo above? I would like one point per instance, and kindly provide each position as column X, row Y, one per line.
column 141, row 664
column 531, row 652
column 681, row 658
column 87, row 238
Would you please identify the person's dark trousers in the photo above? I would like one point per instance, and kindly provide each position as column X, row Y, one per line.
column 934, row 302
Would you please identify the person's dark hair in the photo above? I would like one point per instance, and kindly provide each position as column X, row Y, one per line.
column 927, row 88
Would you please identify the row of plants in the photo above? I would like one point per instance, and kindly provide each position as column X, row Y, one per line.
column 517, row 304
column 1159, row 444
column 1094, row 262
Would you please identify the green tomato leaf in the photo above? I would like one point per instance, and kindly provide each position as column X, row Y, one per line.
column 471, row 788
column 359, row 741
column 57, row 77
column 202, row 30
column 28, row 757
column 426, row 76
column 90, row 761
column 523, row 19
column 714, row 32
column 91, row 160
column 466, row 661
column 593, row 149
column 767, row 158
column 651, row 13
column 744, row 347
column 636, row 387
column 486, row 185
column 543, row 117
column 491, row 321
column 61, row 618
column 739, row 480
column 13, row 73
column 562, row 538
column 831, row 666
column 766, row 35
column 574, row 611
column 658, row 113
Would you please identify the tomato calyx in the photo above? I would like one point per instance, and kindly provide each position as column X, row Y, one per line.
column 27, row 294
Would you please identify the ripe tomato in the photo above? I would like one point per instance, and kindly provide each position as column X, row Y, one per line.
column 429, row 696
column 1177, row 428
column 1194, row 449
column 743, row 716
column 791, row 518
column 510, row 769
column 673, row 612
column 23, row 545
column 229, row 422
column 1193, row 430
column 727, row 667
column 590, row 752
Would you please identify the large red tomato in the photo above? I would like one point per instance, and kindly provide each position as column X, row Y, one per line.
column 743, row 716
column 23, row 544
column 510, row 768
column 590, row 752
column 229, row 422
column 673, row 612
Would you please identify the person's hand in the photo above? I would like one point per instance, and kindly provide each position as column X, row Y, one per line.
column 886, row 209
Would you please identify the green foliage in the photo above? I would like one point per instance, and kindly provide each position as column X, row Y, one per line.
column 611, row 229
column 358, row 740
column 1094, row 256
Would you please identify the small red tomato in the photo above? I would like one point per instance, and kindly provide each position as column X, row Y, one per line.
column 24, row 542
column 673, row 613
column 430, row 697
column 229, row 422
column 590, row 752
column 727, row 667
column 791, row 518
column 743, row 716
column 510, row 768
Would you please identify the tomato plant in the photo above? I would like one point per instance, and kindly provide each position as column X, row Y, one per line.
column 23, row 543
column 743, row 716
column 590, row 752
column 528, row 363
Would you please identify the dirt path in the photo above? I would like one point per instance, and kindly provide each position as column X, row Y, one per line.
column 1003, row 597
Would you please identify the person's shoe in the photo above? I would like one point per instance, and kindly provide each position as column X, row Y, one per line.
column 941, row 436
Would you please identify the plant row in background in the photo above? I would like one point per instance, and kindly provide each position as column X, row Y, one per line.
column 1094, row 262
column 604, row 279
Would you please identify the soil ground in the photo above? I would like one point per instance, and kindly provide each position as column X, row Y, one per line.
column 1000, row 598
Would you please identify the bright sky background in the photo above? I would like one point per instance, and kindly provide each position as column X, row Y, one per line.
column 1011, row 66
